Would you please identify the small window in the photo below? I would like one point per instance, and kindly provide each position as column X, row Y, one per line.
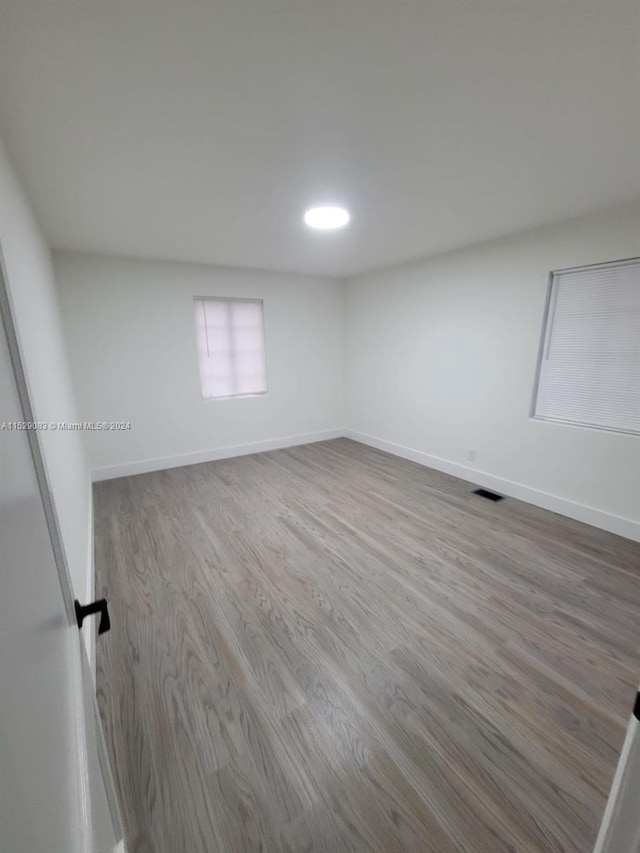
column 589, row 363
column 230, row 337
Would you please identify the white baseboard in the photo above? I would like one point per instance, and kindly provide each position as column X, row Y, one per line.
column 589, row 515
column 161, row 463
column 580, row 512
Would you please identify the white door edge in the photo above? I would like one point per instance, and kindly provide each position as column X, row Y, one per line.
column 76, row 688
column 620, row 827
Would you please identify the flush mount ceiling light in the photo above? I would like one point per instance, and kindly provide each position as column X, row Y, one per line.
column 326, row 218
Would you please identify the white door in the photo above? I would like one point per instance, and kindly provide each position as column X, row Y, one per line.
column 620, row 829
column 56, row 791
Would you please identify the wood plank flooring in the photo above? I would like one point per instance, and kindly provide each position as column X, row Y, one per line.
column 330, row 649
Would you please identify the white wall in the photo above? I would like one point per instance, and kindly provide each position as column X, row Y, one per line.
column 438, row 358
column 441, row 358
column 33, row 296
column 130, row 330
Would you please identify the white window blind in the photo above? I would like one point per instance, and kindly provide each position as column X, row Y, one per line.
column 230, row 338
column 589, row 368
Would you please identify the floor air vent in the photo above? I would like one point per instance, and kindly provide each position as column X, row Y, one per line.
column 490, row 496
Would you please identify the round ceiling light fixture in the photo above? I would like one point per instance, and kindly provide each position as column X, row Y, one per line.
column 327, row 218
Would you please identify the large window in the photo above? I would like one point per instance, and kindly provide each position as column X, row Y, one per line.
column 589, row 364
column 230, row 337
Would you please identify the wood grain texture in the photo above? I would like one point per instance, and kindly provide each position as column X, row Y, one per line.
column 331, row 649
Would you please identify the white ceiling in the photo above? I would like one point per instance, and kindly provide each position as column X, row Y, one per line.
column 200, row 129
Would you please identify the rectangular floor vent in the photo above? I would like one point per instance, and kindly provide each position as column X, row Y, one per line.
column 490, row 496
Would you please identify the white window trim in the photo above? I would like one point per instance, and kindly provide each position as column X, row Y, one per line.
column 227, row 397
column 544, row 340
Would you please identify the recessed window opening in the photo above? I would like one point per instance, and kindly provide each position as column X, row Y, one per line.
column 231, row 351
column 589, row 362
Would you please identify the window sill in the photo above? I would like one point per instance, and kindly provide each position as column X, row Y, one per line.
column 234, row 397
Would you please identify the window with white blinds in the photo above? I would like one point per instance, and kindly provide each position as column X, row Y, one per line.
column 230, row 338
column 589, row 365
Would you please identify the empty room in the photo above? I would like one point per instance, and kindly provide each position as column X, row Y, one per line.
column 320, row 426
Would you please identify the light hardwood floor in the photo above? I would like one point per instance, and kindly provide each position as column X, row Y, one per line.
column 330, row 649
